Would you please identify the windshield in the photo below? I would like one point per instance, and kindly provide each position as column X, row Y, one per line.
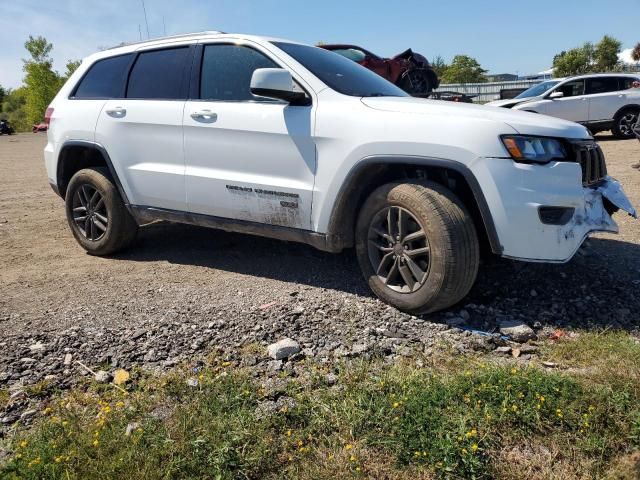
column 537, row 90
column 340, row 73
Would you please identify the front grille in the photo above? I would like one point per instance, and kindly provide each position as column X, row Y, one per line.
column 591, row 159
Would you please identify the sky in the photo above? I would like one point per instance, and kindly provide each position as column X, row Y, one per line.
column 505, row 36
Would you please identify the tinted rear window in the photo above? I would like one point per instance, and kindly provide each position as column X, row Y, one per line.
column 105, row 78
column 602, row 85
column 159, row 74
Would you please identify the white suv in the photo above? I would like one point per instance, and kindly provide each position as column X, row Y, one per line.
column 275, row 138
column 599, row 101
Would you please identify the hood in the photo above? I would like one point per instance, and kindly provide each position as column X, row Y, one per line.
column 525, row 123
column 508, row 103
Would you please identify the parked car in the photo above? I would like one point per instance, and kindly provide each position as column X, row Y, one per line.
column 158, row 131
column 598, row 101
column 5, row 127
column 452, row 96
column 408, row 70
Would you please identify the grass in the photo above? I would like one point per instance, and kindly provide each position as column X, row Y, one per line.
column 466, row 419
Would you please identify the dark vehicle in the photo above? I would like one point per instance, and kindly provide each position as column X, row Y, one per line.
column 408, row 70
column 5, row 128
column 452, row 96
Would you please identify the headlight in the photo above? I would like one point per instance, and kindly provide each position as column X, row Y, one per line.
column 534, row 149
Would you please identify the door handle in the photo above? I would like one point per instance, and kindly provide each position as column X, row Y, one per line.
column 206, row 115
column 116, row 112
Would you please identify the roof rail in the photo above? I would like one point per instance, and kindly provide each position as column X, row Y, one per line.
column 168, row 37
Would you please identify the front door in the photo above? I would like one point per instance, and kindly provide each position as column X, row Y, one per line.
column 574, row 105
column 247, row 157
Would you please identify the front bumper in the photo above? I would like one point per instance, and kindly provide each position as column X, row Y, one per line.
column 515, row 192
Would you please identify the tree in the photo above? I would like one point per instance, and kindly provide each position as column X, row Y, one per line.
column 573, row 62
column 41, row 81
column 606, row 53
column 3, row 93
column 439, row 65
column 464, row 69
column 589, row 58
column 13, row 109
column 635, row 54
column 71, row 66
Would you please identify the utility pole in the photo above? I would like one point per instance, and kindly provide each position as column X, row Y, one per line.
column 145, row 18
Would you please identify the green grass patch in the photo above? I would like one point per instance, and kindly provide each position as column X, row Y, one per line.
column 452, row 420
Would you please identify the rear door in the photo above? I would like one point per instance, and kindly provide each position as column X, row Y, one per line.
column 574, row 105
column 142, row 132
column 248, row 158
column 605, row 97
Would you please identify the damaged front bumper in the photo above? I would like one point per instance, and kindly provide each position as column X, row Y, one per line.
column 517, row 192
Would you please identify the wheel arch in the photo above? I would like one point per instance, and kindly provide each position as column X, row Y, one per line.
column 630, row 106
column 78, row 154
column 374, row 171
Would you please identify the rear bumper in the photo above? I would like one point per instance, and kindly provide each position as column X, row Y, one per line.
column 515, row 192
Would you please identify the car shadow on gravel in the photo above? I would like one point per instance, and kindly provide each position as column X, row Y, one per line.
column 248, row 255
column 598, row 288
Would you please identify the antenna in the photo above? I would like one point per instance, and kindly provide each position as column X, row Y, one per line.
column 145, row 18
column 164, row 27
column 140, row 31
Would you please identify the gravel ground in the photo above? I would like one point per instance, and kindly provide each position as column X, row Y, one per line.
column 183, row 291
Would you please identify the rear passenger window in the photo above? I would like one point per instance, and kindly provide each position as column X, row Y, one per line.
column 104, row 79
column 159, row 74
column 227, row 71
column 602, row 85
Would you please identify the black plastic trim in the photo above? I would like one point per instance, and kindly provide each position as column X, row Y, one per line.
column 551, row 215
column 335, row 237
column 145, row 214
column 105, row 156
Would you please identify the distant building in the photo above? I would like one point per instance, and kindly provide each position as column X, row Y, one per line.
column 502, row 77
column 545, row 75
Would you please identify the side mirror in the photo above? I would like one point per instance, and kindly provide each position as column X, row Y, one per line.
column 276, row 83
column 555, row 95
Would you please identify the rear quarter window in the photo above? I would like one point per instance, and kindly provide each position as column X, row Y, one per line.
column 104, row 79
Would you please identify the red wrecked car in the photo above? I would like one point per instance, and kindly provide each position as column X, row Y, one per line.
column 408, row 70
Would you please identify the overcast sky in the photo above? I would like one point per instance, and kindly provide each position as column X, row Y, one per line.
column 514, row 36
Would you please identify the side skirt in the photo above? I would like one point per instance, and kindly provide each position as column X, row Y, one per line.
column 145, row 215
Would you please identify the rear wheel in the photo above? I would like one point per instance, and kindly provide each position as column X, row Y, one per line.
column 417, row 246
column 624, row 122
column 97, row 216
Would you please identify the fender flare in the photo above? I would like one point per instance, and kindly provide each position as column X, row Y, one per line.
column 102, row 151
column 336, row 237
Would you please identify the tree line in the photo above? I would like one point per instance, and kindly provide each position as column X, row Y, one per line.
column 25, row 105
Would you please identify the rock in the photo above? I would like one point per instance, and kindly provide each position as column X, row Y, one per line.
column 37, row 347
column 192, row 382
column 515, row 353
column 27, row 414
column 550, row 364
column 68, row 358
column 283, row 349
column 533, row 293
column 503, row 350
column 331, row 379
column 517, row 331
column 102, row 377
column 528, row 349
column 130, row 428
column 269, row 408
column 359, row 349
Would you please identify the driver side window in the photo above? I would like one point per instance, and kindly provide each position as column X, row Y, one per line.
column 572, row 89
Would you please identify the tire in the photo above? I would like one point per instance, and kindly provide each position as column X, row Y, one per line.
column 93, row 233
column 451, row 264
column 415, row 82
column 623, row 123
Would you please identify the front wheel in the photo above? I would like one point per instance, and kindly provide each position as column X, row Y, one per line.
column 416, row 82
column 624, row 122
column 417, row 246
column 97, row 216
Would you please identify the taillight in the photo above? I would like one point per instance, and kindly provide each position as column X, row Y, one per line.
column 47, row 115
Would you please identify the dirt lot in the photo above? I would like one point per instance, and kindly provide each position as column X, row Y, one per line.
column 184, row 289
